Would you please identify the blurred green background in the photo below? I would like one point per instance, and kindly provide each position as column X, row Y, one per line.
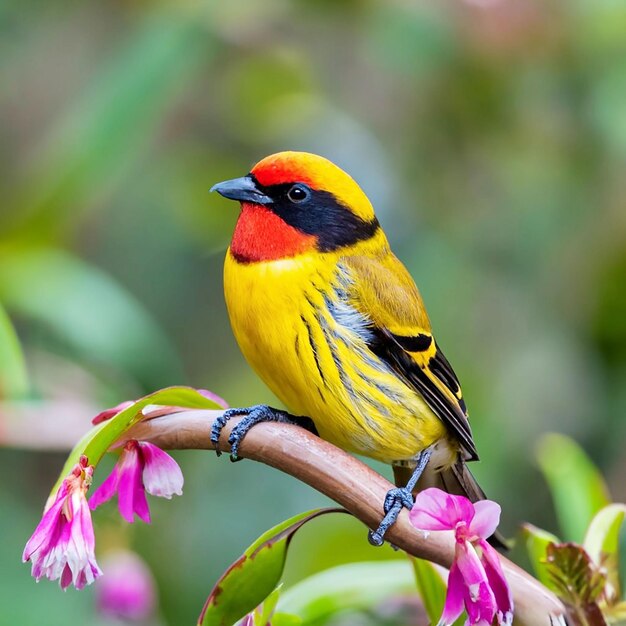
column 491, row 137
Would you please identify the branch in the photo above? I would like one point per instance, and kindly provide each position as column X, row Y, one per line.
column 346, row 480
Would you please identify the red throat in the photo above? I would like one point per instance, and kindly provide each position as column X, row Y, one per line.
column 261, row 235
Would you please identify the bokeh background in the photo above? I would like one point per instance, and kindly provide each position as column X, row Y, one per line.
column 491, row 137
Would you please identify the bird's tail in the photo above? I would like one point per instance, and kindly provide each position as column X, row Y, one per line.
column 455, row 479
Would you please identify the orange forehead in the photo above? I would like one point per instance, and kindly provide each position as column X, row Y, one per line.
column 316, row 172
column 291, row 167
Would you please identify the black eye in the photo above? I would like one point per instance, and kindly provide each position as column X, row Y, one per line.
column 298, row 193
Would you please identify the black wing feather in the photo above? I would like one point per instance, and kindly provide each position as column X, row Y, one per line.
column 387, row 348
column 441, row 368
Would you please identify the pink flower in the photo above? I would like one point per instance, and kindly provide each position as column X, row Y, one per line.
column 142, row 467
column 107, row 414
column 476, row 581
column 62, row 545
column 127, row 592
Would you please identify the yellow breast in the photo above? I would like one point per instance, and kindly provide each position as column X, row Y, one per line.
column 309, row 346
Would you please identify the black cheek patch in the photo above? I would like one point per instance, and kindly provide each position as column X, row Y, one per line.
column 322, row 215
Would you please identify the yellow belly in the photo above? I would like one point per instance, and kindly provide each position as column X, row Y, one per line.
column 320, row 367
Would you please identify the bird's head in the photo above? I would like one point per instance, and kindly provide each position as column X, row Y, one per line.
column 293, row 203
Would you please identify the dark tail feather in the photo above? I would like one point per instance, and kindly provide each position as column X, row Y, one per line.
column 460, row 481
column 457, row 480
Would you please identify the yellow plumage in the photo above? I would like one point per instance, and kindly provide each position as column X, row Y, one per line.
column 287, row 317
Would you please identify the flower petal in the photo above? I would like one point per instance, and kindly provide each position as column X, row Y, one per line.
column 435, row 509
column 109, row 413
column 455, row 594
column 480, row 601
column 46, row 528
column 486, row 518
column 140, row 505
column 498, row 584
column 127, row 592
column 106, row 490
column 86, row 527
column 66, row 577
column 161, row 474
column 130, row 485
column 62, row 546
column 80, row 549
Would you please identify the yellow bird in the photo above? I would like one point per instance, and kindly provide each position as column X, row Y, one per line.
column 333, row 323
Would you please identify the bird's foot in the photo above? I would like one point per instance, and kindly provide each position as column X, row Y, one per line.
column 398, row 498
column 251, row 416
column 395, row 500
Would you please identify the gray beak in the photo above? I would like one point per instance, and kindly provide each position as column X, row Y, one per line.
column 243, row 189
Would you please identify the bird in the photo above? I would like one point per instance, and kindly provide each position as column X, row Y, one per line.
column 333, row 323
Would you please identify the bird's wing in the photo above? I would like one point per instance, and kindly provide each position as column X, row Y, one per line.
column 383, row 290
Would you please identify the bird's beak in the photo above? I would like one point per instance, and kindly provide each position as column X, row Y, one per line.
column 243, row 189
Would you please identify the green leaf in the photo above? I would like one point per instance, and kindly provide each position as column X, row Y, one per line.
column 577, row 487
column 602, row 542
column 99, row 439
column 263, row 617
column 254, row 575
column 13, row 376
column 537, row 541
column 88, row 312
column 351, row 586
column 285, row 619
column 431, row 587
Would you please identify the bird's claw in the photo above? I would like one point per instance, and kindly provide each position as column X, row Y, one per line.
column 221, row 421
column 399, row 494
column 375, row 538
column 252, row 415
column 398, row 498
column 395, row 500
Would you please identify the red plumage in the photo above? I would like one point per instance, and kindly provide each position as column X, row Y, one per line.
column 260, row 235
column 278, row 172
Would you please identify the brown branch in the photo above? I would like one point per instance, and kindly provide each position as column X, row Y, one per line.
column 348, row 482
